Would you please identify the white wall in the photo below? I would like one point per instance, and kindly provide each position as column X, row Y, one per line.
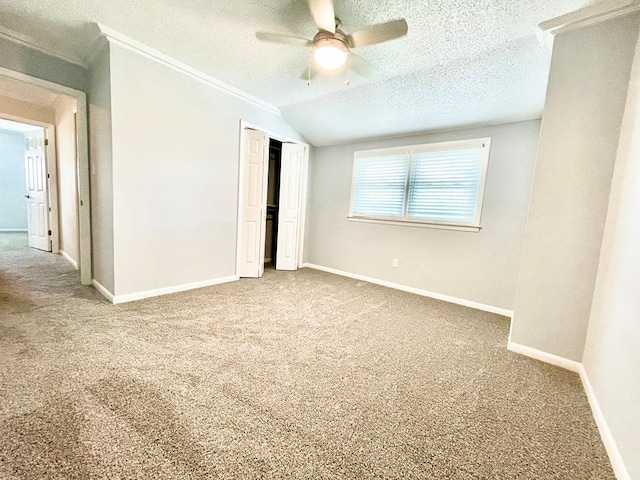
column 67, row 177
column 13, row 206
column 175, row 174
column 101, row 170
column 586, row 95
column 479, row 267
column 612, row 351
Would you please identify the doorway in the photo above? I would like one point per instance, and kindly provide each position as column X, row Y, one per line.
column 271, row 201
column 26, row 189
column 62, row 111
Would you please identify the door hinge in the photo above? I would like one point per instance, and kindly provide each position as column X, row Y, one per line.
column 48, row 176
column 49, row 232
column 49, row 208
column 46, row 141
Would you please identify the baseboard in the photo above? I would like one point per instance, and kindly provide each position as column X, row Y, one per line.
column 66, row 256
column 617, row 463
column 267, row 260
column 130, row 297
column 13, row 230
column 417, row 291
column 105, row 293
column 561, row 362
column 615, row 458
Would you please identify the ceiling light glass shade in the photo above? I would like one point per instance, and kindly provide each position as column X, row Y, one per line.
column 330, row 53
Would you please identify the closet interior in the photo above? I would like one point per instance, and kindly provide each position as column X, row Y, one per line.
column 273, row 197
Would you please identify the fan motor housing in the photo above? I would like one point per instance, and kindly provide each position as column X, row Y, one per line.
column 322, row 36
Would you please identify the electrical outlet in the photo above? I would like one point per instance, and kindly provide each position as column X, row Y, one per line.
column 394, row 264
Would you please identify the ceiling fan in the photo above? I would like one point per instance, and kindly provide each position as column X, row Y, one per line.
column 331, row 47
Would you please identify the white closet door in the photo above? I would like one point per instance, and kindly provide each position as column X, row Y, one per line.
column 289, row 207
column 253, row 205
column 37, row 191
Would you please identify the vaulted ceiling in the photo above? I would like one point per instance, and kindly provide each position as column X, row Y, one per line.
column 463, row 62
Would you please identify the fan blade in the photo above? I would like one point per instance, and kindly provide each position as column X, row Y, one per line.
column 323, row 14
column 378, row 33
column 286, row 39
column 360, row 66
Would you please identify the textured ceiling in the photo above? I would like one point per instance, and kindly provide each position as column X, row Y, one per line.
column 464, row 62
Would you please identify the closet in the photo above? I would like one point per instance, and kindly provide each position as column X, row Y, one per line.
column 270, row 203
column 273, row 197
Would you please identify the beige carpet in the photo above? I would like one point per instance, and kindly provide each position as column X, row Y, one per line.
column 295, row 375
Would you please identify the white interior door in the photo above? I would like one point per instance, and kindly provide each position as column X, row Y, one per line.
column 253, row 205
column 289, row 207
column 37, row 191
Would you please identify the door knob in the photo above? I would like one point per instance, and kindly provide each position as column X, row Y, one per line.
column 27, row 196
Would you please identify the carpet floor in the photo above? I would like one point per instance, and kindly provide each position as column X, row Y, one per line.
column 295, row 375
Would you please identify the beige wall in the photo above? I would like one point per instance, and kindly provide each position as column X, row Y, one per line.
column 612, row 351
column 578, row 142
column 101, row 171
column 25, row 110
column 479, row 267
column 67, row 177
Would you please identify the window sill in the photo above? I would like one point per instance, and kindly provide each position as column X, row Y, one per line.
column 409, row 223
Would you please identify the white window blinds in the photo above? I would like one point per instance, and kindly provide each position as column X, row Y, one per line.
column 381, row 186
column 444, row 185
column 434, row 184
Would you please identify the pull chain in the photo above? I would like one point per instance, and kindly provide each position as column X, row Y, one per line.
column 347, row 82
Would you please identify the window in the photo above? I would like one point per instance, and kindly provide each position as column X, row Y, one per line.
column 435, row 184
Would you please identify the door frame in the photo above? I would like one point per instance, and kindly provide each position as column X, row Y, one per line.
column 303, row 185
column 82, row 154
column 51, row 165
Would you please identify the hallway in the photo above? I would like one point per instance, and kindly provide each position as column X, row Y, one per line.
column 48, row 278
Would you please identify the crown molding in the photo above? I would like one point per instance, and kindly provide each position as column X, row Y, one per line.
column 592, row 15
column 99, row 44
column 26, row 41
column 115, row 37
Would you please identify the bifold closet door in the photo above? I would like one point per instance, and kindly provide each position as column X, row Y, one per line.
column 253, row 205
column 289, row 207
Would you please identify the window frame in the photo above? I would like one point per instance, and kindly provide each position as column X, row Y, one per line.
column 474, row 226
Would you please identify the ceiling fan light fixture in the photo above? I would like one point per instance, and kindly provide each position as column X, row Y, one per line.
column 330, row 53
